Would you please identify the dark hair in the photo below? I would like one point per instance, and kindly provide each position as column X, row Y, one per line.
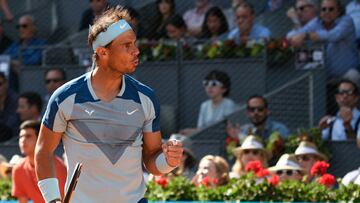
column 33, row 98
column 172, row 6
column 246, row 5
column 214, row 11
column 132, row 12
column 221, row 77
column 339, row 5
column 60, row 70
column 33, row 124
column 3, row 76
column 356, row 88
column 176, row 21
column 257, row 96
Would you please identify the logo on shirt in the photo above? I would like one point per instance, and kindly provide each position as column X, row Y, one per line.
column 89, row 112
column 131, row 112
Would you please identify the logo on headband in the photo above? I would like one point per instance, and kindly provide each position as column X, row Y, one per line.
column 122, row 26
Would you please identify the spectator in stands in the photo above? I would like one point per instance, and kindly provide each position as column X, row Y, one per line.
column 336, row 30
column 252, row 149
column 135, row 22
column 54, row 78
column 304, row 12
column 215, row 25
column 194, row 18
column 213, row 171
column 307, row 154
column 230, row 13
column 352, row 177
column 176, row 28
column 29, row 106
column 5, row 41
column 165, row 9
column 24, row 180
column 7, row 12
column 9, row 120
column 97, row 7
column 247, row 28
column 353, row 10
column 287, row 168
column 345, row 125
column 261, row 125
column 273, row 5
column 27, row 31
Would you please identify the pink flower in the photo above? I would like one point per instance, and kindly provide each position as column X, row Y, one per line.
column 254, row 166
column 319, row 168
column 262, row 173
column 327, row 179
column 274, row 180
column 161, row 181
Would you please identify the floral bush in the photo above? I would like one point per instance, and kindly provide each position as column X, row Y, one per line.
column 5, row 189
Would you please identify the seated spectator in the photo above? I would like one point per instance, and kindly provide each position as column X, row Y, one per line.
column 97, row 7
column 353, row 10
column 304, row 12
column 230, row 13
column 187, row 167
column 273, row 5
column 24, row 180
column 213, row 171
column 307, row 154
column 135, row 22
column 5, row 41
column 194, row 18
column 9, row 120
column 29, row 106
column 336, row 30
column 261, row 125
column 165, row 9
column 247, row 28
column 215, row 25
column 27, row 32
column 54, row 78
column 176, row 28
column 287, row 168
column 352, row 177
column 345, row 125
column 252, row 149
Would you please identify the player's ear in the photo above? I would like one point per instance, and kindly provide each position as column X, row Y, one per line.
column 101, row 51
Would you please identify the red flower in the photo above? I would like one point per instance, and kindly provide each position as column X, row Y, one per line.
column 319, row 168
column 254, row 166
column 231, row 139
column 262, row 173
column 274, row 180
column 207, row 181
column 327, row 179
column 161, row 181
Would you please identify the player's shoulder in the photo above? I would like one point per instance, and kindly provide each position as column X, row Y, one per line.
column 73, row 86
column 20, row 166
column 139, row 87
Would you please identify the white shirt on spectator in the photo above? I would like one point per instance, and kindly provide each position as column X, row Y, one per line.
column 338, row 130
column 194, row 19
column 353, row 10
column 210, row 114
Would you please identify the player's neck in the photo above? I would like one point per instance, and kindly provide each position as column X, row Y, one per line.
column 31, row 159
column 106, row 84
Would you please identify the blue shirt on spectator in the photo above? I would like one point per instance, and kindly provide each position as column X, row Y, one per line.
column 270, row 127
column 353, row 10
column 258, row 32
column 340, row 42
column 30, row 56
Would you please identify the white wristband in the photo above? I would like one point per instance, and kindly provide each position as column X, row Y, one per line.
column 162, row 165
column 49, row 189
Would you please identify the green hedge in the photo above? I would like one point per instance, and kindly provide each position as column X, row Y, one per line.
column 248, row 188
column 5, row 190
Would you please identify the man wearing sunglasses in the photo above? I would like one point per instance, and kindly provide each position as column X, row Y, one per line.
column 337, row 32
column 304, row 12
column 261, row 125
column 345, row 125
column 54, row 78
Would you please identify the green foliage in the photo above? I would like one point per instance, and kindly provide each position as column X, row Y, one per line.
column 5, row 189
column 250, row 188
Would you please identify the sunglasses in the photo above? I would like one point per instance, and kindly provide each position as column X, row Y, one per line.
column 22, row 26
column 253, row 109
column 287, row 172
column 345, row 92
column 55, row 80
column 212, row 83
column 328, row 9
column 254, row 152
column 302, row 8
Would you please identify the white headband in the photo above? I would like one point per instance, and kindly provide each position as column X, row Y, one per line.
column 113, row 31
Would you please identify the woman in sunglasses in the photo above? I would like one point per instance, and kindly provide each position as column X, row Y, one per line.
column 217, row 87
column 251, row 149
column 287, row 168
column 307, row 154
